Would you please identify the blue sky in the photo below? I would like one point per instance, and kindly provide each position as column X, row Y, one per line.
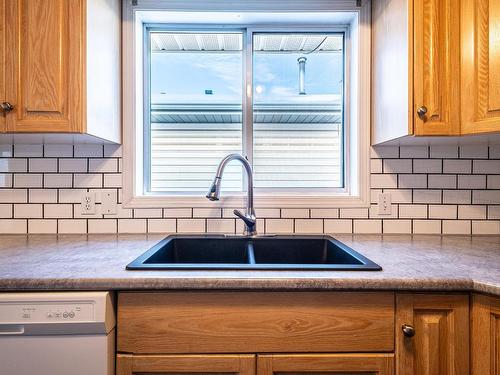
column 276, row 73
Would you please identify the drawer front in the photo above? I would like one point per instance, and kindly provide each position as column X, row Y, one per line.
column 255, row 322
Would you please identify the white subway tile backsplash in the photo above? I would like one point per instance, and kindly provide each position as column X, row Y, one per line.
column 427, row 166
column 467, row 181
column 162, row 225
column 486, row 166
column 191, row 225
column 57, row 180
column 279, row 226
column 43, row 165
column 442, row 211
column 389, row 181
column 426, row 226
column 48, row 226
column 367, row 226
column 414, row 181
column 13, row 165
column 471, row 212
column 443, row 152
column 55, row 211
column 73, row 165
column 414, row 152
column 457, row 196
column 58, row 151
column 28, row 180
column 88, row 151
column 396, row 226
column 309, row 226
column 398, row 166
column 324, row 213
column 457, row 227
column 486, row 227
column 442, row 181
column 474, row 152
column 30, row 151
column 457, row 166
column 221, row 226
column 13, row 226
column 295, row 213
column 42, row 195
column 102, row 226
column 28, row 211
column 132, row 225
column 338, row 226
column 442, row 189
column 87, row 180
column 71, row 226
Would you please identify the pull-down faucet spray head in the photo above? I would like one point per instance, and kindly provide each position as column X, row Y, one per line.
column 214, row 191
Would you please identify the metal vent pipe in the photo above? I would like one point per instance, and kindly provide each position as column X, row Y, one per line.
column 302, row 75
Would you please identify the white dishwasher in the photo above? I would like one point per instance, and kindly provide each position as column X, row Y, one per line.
column 57, row 333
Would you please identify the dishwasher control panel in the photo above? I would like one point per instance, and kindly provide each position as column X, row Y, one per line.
column 47, row 312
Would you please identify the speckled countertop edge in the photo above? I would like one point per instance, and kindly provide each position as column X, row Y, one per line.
column 93, row 262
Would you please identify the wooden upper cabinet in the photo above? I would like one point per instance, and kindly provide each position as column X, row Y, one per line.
column 440, row 344
column 480, row 54
column 2, row 63
column 325, row 364
column 485, row 335
column 436, row 67
column 44, row 50
column 62, row 61
column 185, row 364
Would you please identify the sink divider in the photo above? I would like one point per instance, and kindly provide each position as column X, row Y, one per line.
column 251, row 254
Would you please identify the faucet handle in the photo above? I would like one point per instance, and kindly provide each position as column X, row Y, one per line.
column 249, row 220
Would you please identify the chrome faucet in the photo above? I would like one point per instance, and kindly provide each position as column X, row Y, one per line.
column 214, row 193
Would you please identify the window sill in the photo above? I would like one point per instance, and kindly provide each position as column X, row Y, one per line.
column 261, row 201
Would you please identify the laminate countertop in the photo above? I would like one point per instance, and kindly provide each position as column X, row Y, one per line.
column 97, row 262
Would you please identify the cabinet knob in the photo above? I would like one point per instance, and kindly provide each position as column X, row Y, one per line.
column 6, row 107
column 421, row 112
column 408, row 330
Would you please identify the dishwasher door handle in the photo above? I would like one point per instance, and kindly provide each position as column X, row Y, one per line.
column 11, row 329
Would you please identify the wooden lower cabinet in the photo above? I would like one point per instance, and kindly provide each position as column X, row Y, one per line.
column 324, row 364
column 485, row 335
column 440, row 327
column 246, row 364
column 185, row 364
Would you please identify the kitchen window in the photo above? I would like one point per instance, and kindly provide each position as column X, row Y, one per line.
column 281, row 88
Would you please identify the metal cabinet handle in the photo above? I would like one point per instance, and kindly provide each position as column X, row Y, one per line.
column 6, row 107
column 408, row 330
column 421, row 112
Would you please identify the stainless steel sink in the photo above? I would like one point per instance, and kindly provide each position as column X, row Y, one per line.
column 252, row 253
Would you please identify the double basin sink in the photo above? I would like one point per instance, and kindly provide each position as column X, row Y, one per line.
column 252, row 253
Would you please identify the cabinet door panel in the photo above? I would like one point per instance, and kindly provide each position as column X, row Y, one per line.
column 480, row 54
column 2, row 62
column 44, row 58
column 185, row 364
column 485, row 337
column 325, row 364
column 440, row 345
column 437, row 66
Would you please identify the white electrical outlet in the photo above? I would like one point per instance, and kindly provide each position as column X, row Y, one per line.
column 88, row 203
column 108, row 202
column 384, row 204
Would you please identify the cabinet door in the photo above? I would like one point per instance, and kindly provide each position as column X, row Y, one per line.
column 2, row 64
column 325, row 364
column 436, row 67
column 440, row 345
column 480, row 53
column 44, row 64
column 185, row 364
column 485, row 337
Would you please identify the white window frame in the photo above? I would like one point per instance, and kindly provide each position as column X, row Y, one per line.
column 357, row 103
